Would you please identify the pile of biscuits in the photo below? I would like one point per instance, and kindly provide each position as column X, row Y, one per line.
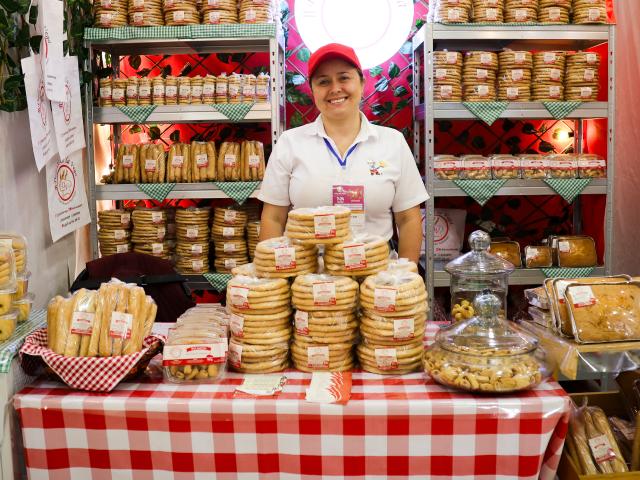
column 260, row 324
column 452, row 11
column 253, row 233
column 548, row 76
column 582, row 78
column 252, row 11
column 589, row 11
column 392, row 322
column 227, row 234
column 282, row 257
column 361, row 255
column 110, row 13
column 479, row 76
column 145, row 13
column 192, row 233
column 114, row 234
column 514, row 76
column 321, row 225
column 219, row 11
column 447, row 81
column 520, row 11
column 324, row 301
column 554, row 11
column 149, row 232
column 180, row 12
column 488, row 11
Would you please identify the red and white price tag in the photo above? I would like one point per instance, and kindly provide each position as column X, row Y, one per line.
column 585, row 92
column 324, row 225
column 228, row 232
column 549, row 57
column 120, row 326
column 554, row 74
column 196, row 248
column 403, row 328
column 285, row 258
column 441, row 73
column 254, row 161
column 554, row 14
column 519, row 57
column 591, row 58
column 177, row 161
column 171, row 91
column 446, row 91
column 82, row 323
column 355, row 256
column 228, row 247
column 150, row 165
column 239, row 297
column 236, row 324
column 235, row 354
column 384, row 299
column 386, row 358
column 594, row 14
column 513, row 93
column 601, row 448
column 230, row 263
column 517, row 74
column 157, row 248
column 202, row 160
column 156, row 217
column 194, row 354
column 124, row 248
column 127, row 161
column 582, row 296
column 324, row 293
column 452, row 58
column 178, row 16
column 485, row 58
column 481, row 74
column 230, row 160
column 302, row 322
column 318, row 357
column 192, row 232
column 230, row 216
column 119, row 234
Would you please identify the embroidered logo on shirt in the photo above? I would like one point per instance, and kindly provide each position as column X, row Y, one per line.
column 376, row 166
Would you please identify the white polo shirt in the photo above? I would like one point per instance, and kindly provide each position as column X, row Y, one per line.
column 302, row 172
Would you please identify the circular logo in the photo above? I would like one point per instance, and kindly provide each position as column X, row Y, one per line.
column 66, row 105
column 65, row 182
column 40, row 103
column 440, row 228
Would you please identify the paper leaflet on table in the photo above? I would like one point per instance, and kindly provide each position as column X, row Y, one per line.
column 329, row 387
column 49, row 25
column 67, row 115
column 260, row 385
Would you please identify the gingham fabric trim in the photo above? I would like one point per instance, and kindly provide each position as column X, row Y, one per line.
column 560, row 272
column 218, row 280
column 138, row 114
column 568, row 188
column 94, row 374
column 488, row 112
column 9, row 348
column 560, row 110
column 157, row 191
column 183, row 31
column 239, row 191
column 480, row 190
column 233, row 111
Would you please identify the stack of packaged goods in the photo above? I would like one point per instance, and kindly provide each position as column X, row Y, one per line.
column 192, row 232
column 197, row 84
column 514, row 77
column 262, row 11
column 253, row 233
column 152, row 163
column 252, row 160
column 228, row 235
column 452, row 11
column 554, row 11
column 520, row 11
column 283, row 257
column 145, row 13
column 326, row 327
column 145, row 88
column 548, row 76
column 133, row 87
column 262, row 88
column 229, row 165
column 359, row 256
column 209, row 89
column 149, row 232
column 234, row 88
column 21, row 300
column 219, row 11
column 105, row 92
column 127, row 164
column 479, row 76
column 589, row 11
column 582, row 78
column 170, row 90
column 118, row 92
column 114, row 235
column 260, row 324
column 184, row 91
column 203, row 161
column 8, row 316
column 180, row 12
column 249, row 88
column 157, row 93
column 110, row 13
column 222, row 88
column 447, row 83
column 392, row 322
column 321, row 225
column 488, row 11
column 179, row 164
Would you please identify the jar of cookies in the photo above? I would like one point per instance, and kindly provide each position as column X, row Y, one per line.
column 475, row 272
column 486, row 353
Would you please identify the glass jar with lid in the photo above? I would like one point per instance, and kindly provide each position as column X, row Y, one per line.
column 474, row 272
column 486, row 353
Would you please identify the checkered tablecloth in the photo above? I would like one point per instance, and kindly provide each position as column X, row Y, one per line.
column 393, row 427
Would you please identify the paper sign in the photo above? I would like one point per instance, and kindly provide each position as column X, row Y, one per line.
column 329, row 387
column 67, row 114
column 262, row 384
column 51, row 21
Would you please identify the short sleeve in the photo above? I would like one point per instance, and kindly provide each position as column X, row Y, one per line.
column 410, row 189
column 275, row 185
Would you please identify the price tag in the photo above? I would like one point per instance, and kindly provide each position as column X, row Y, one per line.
column 492, row 14
column 228, row 247
column 254, row 161
column 185, row 90
column 197, row 265
column 582, row 296
column 586, row 92
column 564, row 246
column 156, row 217
column 177, row 161
column 519, row 57
column 517, row 74
column 324, row 225
column 386, row 358
column 119, row 234
column 248, row 91
column 513, row 93
column 138, row 19
column 178, row 16
column 127, row 161
column 481, row 73
column 132, row 90
column 452, row 58
column 105, row 92
column 250, row 15
column 355, row 256
column 162, row 231
column 324, row 293
column 262, row 385
column 150, row 165
column 384, row 299
column 591, row 58
column 228, row 232
column 196, row 91
column 194, row 354
column 158, row 90
column 230, row 160
column 157, row 248
column 403, row 328
column 285, row 258
column 594, row 14
column 202, row 160
column 521, row 15
column 485, row 58
column 117, row 94
column 196, row 248
column 554, row 74
column 171, row 91
column 589, row 74
column 221, row 88
column 302, row 322
column 446, row 91
column 601, row 448
column 235, row 354
column 453, row 15
column 441, row 73
column 554, row 14
column 230, row 216
column 82, row 323
column 554, row 91
column 549, row 57
column 483, row 90
column 144, row 91
column 318, row 357
column 230, row 263
column 123, row 248
column 236, row 324
column 120, row 326
column 192, row 232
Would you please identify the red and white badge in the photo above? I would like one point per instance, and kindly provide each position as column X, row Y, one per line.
column 302, row 322
column 197, row 265
column 82, row 323
column 481, row 73
column 177, row 161
column 120, row 326
column 195, row 354
column 156, row 217
column 384, row 299
column 386, row 358
column 403, row 328
column 355, row 256
column 239, row 297
column 324, row 293
column 236, row 324
column 352, row 197
column 254, row 161
column 324, row 225
column 601, row 448
column 318, row 357
column 285, row 258
column 549, row 57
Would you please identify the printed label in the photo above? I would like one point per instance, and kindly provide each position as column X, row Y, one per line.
column 549, row 57
column 384, row 299
column 492, row 14
column 481, row 74
column 235, row 354
column 138, row 18
column 517, row 74
column 120, row 326
column 236, row 324
column 221, row 88
column 301, row 320
column 554, row 14
column 117, row 94
column 132, row 91
column 202, row 160
column 138, row 3
column 196, row 91
column 513, row 93
column 386, row 358
column 586, row 92
column 106, row 3
column 178, row 16
column 228, row 232
column 452, row 58
column 194, row 354
column 234, row 91
column 531, row 253
column 564, row 247
column 403, row 328
column 483, row 90
column 144, row 91
column 324, row 293
column 150, row 165
column 158, row 90
column 119, row 234
column 157, row 248
column 177, row 161
column 230, row 216
column 248, row 91
column 228, row 247
column 554, row 74
column 105, row 92
column 554, row 91
column 254, row 161
column 82, row 323
column 601, row 448
column 519, row 57
column 230, row 263
column 230, row 160
column 446, row 91
column 213, row 3
column 324, row 225
column 250, row 15
column 485, row 58
column 171, row 91
column 192, row 232
column 162, row 231
column 197, row 265
column 105, row 19
column 582, row 296
column 594, row 14
column 196, row 248
column 124, row 248
column 441, row 73
column 184, row 90
column 355, row 256
column 521, row 15
column 285, row 258
column 208, row 89
column 591, row 58
column 589, row 74
column 262, row 91
column 127, row 161
column 156, row 217
column 318, row 357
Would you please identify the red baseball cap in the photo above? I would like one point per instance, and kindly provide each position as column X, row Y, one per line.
column 330, row 52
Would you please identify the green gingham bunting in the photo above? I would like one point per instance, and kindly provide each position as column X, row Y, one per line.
column 568, row 188
column 182, row 31
column 560, row 110
column 239, row 191
column 10, row 347
column 218, row 280
column 233, row 111
column 560, row 272
column 480, row 190
column 234, row 30
column 138, row 114
column 488, row 112
column 157, row 191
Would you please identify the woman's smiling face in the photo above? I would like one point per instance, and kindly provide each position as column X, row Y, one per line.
column 337, row 89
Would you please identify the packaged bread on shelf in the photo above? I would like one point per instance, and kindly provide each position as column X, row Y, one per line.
column 127, row 164
column 505, row 167
column 562, row 166
column 133, row 86
column 576, row 251
column 589, row 11
column 192, row 234
column 534, row 166
column 447, row 167
column 263, row 84
column 591, row 166
column 329, row 224
column 282, row 257
column 203, row 161
column 452, row 11
column 475, row 167
column 325, row 327
column 7, row 278
column 104, row 92
column 360, row 255
column 258, row 357
column 312, row 356
column 178, row 163
column 520, row 11
column 145, row 91
column 158, row 92
column 262, row 11
column 229, row 163
column 197, row 86
column 537, row 256
column 509, row 251
column 118, row 92
column 324, row 292
column 252, row 160
column 488, row 11
column 180, row 12
column 152, row 163
column 110, row 13
column 554, row 11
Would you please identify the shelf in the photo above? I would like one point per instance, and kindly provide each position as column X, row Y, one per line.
column 181, row 190
column 518, row 110
column 446, row 188
column 522, row 276
column 260, row 112
column 524, row 37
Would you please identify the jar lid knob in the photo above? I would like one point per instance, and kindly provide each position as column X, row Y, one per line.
column 479, row 241
column 487, row 305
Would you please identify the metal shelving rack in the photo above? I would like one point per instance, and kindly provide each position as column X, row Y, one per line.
column 496, row 37
column 273, row 112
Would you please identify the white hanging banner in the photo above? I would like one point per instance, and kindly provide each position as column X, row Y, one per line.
column 67, row 115
column 40, row 117
column 51, row 49
column 68, row 209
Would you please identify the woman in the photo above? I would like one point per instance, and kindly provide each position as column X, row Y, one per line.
column 343, row 159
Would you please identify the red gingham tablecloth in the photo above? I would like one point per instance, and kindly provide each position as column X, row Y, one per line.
column 393, row 427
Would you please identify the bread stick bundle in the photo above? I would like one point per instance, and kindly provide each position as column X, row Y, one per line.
column 114, row 234
column 322, row 225
column 251, row 11
column 360, row 255
column 152, row 163
column 447, row 73
column 452, row 11
column 252, row 161
column 110, row 13
column 260, row 324
column 488, row 11
column 192, row 229
column 215, row 12
column 589, row 11
column 179, row 164
column 520, row 11
column 127, row 164
column 203, row 161
column 145, row 13
column 229, row 162
column 253, row 233
column 283, row 257
column 581, row 77
column 81, row 322
column 52, row 321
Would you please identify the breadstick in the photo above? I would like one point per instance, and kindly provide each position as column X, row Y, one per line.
column 583, row 452
column 143, row 160
column 221, row 170
column 261, row 167
column 63, row 320
column 186, row 166
column 121, row 306
column 119, row 176
column 110, row 299
column 151, row 317
column 602, row 424
column 92, row 350
column 195, row 152
column 136, row 163
column 137, row 308
column 593, row 432
column 52, row 319
column 244, row 160
column 211, row 156
column 91, row 308
column 159, row 154
column 72, row 346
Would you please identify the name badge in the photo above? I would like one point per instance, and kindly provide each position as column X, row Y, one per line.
column 352, row 197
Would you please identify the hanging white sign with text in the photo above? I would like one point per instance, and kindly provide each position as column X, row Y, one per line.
column 67, row 115
column 52, row 20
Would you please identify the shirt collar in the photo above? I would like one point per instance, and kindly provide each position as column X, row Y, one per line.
column 366, row 129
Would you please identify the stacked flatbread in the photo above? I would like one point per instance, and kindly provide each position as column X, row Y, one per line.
column 192, row 248
column 110, row 13
column 180, row 12
column 589, row 11
column 548, row 76
column 447, row 74
column 514, row 76
column 282, row 257
column 520, row 11
column 322, row 225
column 582, row 78
column 219, row 11
column 257, row 11
column 452, row 11
column 361, row 255
column 554, row 11
column 114, row 234
column 479, row 76
column 488, row 11
column 145, row 13
column 149, row 232
column 227, row 233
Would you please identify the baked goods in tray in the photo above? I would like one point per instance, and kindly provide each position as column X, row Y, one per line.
column 362, row 254
column 576, row 251
column 283, row 257
column 509, row 251
column 537, row 256
column 321, row 225
column 7, row 270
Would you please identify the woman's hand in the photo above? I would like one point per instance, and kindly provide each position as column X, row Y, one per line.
column 410, row 233
column 273, row 221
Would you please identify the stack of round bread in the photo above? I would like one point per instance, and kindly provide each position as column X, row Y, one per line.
column 488, row 11
column 322, row 225
column 402, row 265
column 554, row 11
column 479, row 76
column 361, row 255
column 260, row 324
column 110, row 13
column 115, row 231
column 514, row 77
column 149, row 232
column 145, row 13
column 180, row 12
column 327, row 305
column 282, row 257
column 582, row 79
column 447, row 76
column 227, row 233
column 589, row 11
column 192, row 232
column 452, row 11
column 548, row 76
column 248, row 270
column 253, row 233
column 520, row 11
column 256, row 12
column 219, row 11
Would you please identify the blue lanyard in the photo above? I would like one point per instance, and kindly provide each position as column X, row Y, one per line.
column 343, row 163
